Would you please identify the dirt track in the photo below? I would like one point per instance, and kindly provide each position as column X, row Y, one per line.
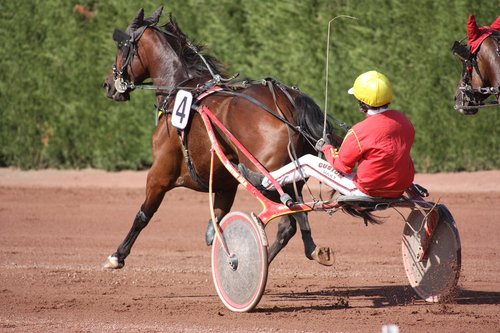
column 57, row 227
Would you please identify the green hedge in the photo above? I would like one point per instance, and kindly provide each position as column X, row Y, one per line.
column 53, row 61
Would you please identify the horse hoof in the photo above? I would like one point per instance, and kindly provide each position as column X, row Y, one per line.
column 113, row 263
column 323, row 255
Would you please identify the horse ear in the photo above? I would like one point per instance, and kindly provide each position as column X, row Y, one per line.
column 172, row 24
column 138, row 20
column 153, row 19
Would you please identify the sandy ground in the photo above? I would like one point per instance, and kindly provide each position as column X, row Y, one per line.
column 57, row 228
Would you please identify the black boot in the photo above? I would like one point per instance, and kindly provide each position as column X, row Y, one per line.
column 253, row 178
column 256, row 179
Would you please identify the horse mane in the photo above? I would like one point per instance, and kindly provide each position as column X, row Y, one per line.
column 311, row 119
column 188, row 51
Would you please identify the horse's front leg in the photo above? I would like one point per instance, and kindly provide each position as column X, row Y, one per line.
column 287, row 228
column 223, row 201
column 156, row 188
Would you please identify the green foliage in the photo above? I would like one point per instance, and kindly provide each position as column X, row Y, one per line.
column 53, row 62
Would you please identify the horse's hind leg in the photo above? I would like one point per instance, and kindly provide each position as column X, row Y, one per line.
column 287, row 228
column 305, row 230
column 323, row 255
column 223, row 201
column 155, row 191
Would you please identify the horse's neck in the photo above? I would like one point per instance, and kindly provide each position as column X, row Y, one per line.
column 169, row 71
column 164, row 66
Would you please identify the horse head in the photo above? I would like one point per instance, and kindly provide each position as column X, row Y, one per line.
column 481, row 68
column 128, row 68
column 145, row 50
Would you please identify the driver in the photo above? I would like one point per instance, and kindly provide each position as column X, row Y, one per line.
column 379, row 146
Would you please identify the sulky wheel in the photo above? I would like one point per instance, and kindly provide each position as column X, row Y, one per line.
column 240, row 275
column 435, row 277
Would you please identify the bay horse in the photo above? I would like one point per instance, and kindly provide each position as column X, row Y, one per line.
column 481, row 67
column 267, row 117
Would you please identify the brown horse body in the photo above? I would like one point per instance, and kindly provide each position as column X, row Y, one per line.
column 166, row 56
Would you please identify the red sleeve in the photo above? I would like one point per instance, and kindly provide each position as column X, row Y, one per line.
column 349, row 153
column 330, row 153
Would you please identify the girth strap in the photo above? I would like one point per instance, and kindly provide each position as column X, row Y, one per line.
column 189, row 163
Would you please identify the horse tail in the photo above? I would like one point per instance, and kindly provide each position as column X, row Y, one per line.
column 367, row 216
column 311, row 119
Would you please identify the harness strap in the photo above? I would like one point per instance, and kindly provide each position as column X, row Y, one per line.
column 290, row 147
column 189, row 163
column 265, row 108
column 476, row 67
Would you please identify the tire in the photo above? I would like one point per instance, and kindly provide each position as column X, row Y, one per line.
column 434, row 279
column 240, row 285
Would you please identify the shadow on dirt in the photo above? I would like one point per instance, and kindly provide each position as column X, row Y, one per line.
column 378, row 296
column 464, row 296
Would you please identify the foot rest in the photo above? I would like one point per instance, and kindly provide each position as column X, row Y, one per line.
column 369, row 202
column 420, row 190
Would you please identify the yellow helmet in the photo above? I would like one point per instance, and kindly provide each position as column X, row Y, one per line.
column 372, row 88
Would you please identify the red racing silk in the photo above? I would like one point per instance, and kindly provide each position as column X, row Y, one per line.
column 380, row 147
column 330, row 153
column 476, row 35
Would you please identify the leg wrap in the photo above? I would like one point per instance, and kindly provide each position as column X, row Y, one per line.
column 141, row 218
column 210, row 233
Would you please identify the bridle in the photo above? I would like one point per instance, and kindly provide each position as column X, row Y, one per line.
column 128, row 44
column 471, row 97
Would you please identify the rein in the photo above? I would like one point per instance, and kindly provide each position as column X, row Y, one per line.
column 128, row 42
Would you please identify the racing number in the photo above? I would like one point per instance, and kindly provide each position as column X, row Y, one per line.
column 182, row 109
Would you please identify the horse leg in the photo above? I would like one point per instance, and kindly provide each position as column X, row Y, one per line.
column 287, row 228
column 322, row 254
column 305, row 230
column 223, row 201
column 155, row 191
